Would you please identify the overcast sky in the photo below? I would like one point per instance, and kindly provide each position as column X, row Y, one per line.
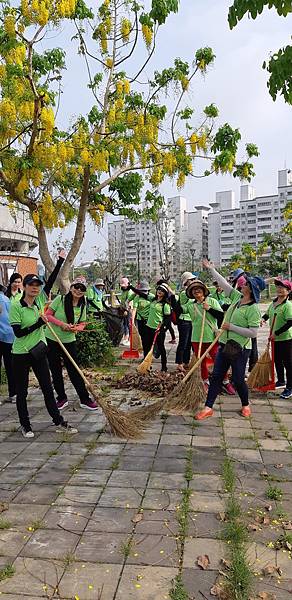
column 236, row 84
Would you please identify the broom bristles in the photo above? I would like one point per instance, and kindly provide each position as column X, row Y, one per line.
column 136, row 339
column 147, row 413
column 261, row 373
column 187, row 397
column 146, row 363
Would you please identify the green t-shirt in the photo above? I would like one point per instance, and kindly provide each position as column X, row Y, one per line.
column 283, row 313
column 195, row 311
column 126, row 296
column 183, row 300
column 246, row 315
column 16, row 297
column 142, row 308
column 220, row 297
column 157, row 311
column 93, row 296
column 59, row 312
column 26, row 316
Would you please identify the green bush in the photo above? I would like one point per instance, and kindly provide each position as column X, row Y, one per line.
column 94, row 346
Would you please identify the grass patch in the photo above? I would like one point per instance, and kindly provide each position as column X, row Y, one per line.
column 68, row 559
column 189, row 467
column 91, row 445
column 126, row 548
column 35, row 525
column 4, row 524
column 6, row 572
column 274, row 493
column 183, row 512
column 53, row 453
column 238, row 583
column 178, row 590
column 115, row 464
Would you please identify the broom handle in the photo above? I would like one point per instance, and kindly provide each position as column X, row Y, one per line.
column 272, row 342
column 88, row 385
column 202, row 333
column 200, row 360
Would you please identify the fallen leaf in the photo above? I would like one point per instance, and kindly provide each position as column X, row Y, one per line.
column 269, row 570
column 218, row 592
column 225, row 563
column 3, row 506
column 267, row 596
column 264, row 473
column 268, row 507
column 203, row 561
column 279, row 466
column 287, row 525
column 253, row 527
column 266, row 520
column 137, row 518
column 268, row 434
column 221, row 516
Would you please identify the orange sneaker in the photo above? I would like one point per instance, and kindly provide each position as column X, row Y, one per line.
column 245, row 411
column 204, row 414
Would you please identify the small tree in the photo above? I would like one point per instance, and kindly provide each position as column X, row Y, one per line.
column 246, row 259
column 128, row 140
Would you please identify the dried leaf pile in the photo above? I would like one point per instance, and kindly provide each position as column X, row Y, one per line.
column 155, row 383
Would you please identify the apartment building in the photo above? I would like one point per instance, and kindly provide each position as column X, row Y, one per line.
column 18, row 237
column 177, row 234
column 233, row 222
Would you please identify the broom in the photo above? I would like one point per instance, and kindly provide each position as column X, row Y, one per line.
column 121, row 424
column 262, row 374
column 189, row 395
column 147, row 362
column 136, row 343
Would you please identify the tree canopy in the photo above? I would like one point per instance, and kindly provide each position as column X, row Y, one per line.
column 279, row 65
column 138, row 131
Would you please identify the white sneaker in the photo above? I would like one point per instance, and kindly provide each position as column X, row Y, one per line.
column 64, row 427
column 11, row 399
column 27, row 434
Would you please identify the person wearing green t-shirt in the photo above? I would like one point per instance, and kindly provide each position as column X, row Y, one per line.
column 29, row 349
column 159, row 317
column 67, row 316
column 141, row 308
column 184, row 326
column 125, row 298
column 279, row 314
column 95, row 298
column 242, row 321
column 14, row 288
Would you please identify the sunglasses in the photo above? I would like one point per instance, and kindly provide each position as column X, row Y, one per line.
column 79, row 286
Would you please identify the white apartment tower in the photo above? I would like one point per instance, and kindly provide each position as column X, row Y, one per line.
column 232, row 223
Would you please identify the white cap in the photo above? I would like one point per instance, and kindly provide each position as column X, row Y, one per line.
column 186, row 276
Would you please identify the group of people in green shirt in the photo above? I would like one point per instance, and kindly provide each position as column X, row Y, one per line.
column 232, row 306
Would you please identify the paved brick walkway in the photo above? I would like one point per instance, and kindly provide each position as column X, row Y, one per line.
column 98, row 518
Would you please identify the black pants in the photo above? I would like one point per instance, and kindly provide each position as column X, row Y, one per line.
column 55, row 356
column 149, row 337
column 5, row 353
column 143, row 334
column 221, row 366
column 171, row 330
column 21, row 364
column 283, row 361
column 254, row 355
column 183, row 352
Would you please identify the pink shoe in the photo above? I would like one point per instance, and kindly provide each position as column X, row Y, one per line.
column 90, row 405
column 228, row 387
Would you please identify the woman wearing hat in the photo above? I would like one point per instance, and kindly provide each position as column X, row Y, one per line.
column 125, row 298
column 141, row 308
column 200, row 301
column 241, row 325
column 29, row 350
column 94, row 295
column 184, row 326
column 67, row 316
column 279, row 314
column 159, row 317
column 238, row 280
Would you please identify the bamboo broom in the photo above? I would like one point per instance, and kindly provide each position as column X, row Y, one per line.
column 122, row 425
column 262, row 373
column 136, row 343
column 189, row 396
column 147, row 362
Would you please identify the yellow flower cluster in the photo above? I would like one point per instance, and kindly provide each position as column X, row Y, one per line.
column 193, row 143
column 181, row 180
column 47, row 211
column 8, row 110
column 100, row 161
column 2, row 72
column 169, row 163
column 47, row 120
column 41, row 11
column 125, row 29
column 180, row 142
column 202, row 142
column 16, row 56
column 147, row 35
column 9, row 25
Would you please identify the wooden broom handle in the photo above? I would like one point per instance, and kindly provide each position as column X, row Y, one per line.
column 69, row 356
column 200, row 360
column 202, row 333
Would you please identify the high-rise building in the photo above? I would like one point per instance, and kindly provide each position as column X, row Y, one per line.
column 232, row 223
column 18, row 237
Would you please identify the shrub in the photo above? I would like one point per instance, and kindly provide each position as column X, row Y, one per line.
column 94, row 346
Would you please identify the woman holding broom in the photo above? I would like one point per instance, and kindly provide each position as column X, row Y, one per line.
column 279, row 314
column 141, row 308
column 200, row 302
column 29, row 349
column 184, row 325
column 158, row 318
column 241, row 325
column 67, row 315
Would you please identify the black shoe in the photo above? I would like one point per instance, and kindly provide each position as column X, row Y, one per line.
column 64, row 427
column 280, row 384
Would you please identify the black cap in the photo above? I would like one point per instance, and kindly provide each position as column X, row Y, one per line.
column 31, row 278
